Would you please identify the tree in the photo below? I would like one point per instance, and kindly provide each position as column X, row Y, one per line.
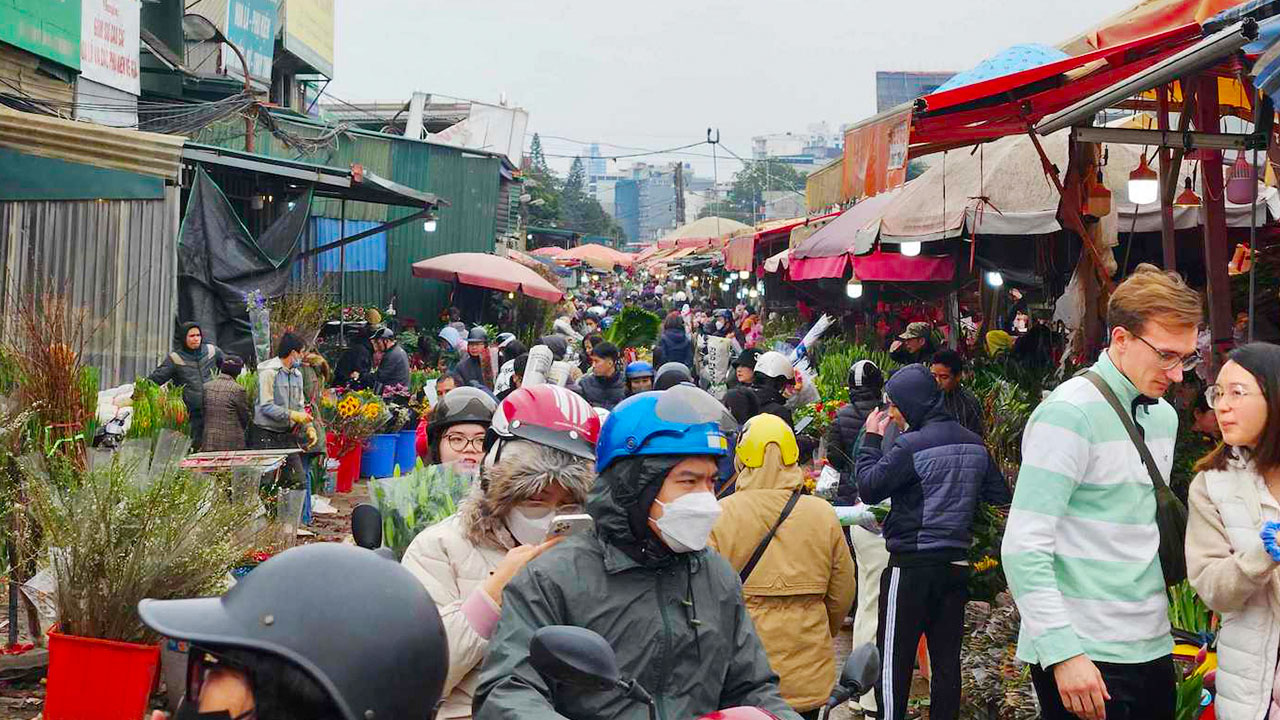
column 725, row 209
column 538, row 161
column 757, row 177
column 575, row 185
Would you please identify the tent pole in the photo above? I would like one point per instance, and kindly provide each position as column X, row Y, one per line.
column 1168, row 176
column 1253, row 241
column 342, row 272
column 1216, row 256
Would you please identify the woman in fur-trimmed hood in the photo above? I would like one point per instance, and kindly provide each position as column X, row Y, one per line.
column 466, row 560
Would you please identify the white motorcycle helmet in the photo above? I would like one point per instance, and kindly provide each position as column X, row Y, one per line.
column 775, row 365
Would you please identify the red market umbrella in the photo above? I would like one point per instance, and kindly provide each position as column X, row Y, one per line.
column 598, row 256
column 549, row 251
column 489, row 271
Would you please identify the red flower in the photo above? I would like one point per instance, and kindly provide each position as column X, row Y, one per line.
column 818, row 407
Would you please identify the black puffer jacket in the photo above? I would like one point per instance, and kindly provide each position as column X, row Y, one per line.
column 673, row 346
column 189, row 370
column 603, row 392
column 676, row 620
column 841, row 436
column 772, row 402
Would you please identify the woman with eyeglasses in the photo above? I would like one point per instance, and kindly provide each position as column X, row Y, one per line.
column 537, row 463
column 456, row 429
column 1232, row 561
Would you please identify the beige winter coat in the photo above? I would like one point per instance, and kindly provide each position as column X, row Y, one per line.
column 455, row 556
column 451, row 568
column 1234, row 575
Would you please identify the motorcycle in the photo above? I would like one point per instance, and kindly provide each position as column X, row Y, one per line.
column 582, row 659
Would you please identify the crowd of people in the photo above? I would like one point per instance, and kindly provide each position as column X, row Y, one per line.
column 719, row 581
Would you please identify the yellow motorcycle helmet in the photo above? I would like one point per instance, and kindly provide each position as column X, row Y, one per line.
column 759, row 432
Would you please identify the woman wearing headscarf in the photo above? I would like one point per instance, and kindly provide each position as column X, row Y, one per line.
column 189, row 367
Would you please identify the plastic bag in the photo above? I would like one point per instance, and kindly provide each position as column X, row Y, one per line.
column 411, row 503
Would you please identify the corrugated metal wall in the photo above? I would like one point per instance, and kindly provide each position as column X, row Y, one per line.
column 117, row 259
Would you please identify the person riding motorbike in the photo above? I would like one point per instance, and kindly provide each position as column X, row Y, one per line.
column 540, row 448
column 285, row 643
column 643, row 579
column 670, row 375
column 639, row 377
column 456, row 431
column 800, row 589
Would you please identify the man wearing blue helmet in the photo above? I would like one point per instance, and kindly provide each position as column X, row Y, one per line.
column 639, row 378
column 643, row 579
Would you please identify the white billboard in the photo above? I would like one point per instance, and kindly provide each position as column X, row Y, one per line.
column 492, row 128
column 109, row 43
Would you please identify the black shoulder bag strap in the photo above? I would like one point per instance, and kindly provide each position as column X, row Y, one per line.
column 1171, row 514
column 764, row 544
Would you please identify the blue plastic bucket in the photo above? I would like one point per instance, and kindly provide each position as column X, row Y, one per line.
column 406, row 450
column 379, row 458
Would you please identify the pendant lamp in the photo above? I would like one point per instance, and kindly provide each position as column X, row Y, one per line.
column 853, row 289
column 1099, row 202
column 1188, row 196
column 1144, row 186
column 1240, row 181
column 910, row 248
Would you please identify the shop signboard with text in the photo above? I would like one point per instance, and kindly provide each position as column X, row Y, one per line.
column 251, row 26
column 109, row 43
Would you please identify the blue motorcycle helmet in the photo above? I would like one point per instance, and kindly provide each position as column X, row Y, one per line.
column 683, row 420
column 639, row 369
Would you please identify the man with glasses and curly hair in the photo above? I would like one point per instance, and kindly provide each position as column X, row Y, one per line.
column 1081, row 547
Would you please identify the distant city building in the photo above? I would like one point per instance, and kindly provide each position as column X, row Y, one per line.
column 805, row 151
column 894, row 87
column 626, row 207
column 596, row 165
column 657, row 198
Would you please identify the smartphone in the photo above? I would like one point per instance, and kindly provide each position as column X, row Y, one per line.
column 565, row 525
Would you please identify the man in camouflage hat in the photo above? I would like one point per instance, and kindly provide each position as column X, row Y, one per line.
column 914, row 345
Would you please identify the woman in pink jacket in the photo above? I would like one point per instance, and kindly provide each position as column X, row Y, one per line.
column 539, row 464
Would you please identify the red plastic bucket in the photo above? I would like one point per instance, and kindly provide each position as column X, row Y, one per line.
column 98, row 679
column 348, row 470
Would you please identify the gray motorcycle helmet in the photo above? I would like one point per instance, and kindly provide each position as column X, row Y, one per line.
column 360, row 625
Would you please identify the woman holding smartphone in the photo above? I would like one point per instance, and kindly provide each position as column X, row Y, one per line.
column 538, row 465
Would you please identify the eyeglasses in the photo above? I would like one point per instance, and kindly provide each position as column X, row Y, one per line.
column 200, row 663
column 1233, row 394
column 1170, row 360
column 462, row 443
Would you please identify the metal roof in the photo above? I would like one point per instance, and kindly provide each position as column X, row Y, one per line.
column 131, row 150
column 327, row 181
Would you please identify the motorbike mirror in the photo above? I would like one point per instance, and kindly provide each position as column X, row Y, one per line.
column 861, row 670
column 366, row 526
column 574, row 656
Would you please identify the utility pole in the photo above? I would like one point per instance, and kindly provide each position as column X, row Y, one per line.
column 715, row 175
column 679, row 193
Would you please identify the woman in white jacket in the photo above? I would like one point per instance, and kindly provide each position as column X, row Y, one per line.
column 540, row 463
column 1231, row 566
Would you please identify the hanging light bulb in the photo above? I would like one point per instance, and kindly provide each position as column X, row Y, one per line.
column 429, row 225
column 910, row 249
column 1144, row 185
column 511, row 296
column 1188, row 197
column 1098, row 204
column 995, row 279
column 754, row 293
column 724, row 287
column 853, row 289
column 1240, row 181
column 743, row 275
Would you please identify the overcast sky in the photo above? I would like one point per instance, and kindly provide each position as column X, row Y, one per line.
column 656, row 74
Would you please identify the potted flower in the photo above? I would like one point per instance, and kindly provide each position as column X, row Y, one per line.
column 118, row 532
column 352, row 417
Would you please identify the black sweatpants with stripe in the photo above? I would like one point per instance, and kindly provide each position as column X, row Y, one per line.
column 929, row 600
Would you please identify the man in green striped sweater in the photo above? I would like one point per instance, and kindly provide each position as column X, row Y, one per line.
column 1081, row 547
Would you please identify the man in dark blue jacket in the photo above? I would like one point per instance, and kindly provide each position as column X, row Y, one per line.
column 936, row 473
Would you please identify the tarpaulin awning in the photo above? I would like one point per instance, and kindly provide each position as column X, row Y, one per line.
column 707, row 227
column 739, row 254
column 488, row 271
column 853, row 231
column 893, row 267
column 1143, row 19
column 599, row 256
column 549, row 251
column 819, row 267
column 1008, row 61
column 523, row 259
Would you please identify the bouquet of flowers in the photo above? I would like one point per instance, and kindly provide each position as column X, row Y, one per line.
column 412, row 502
column 157, row 408
column 259, row 324
column 822, row 414
column 353, row 313
column 353, row 417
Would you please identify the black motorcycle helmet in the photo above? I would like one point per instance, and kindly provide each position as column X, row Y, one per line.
column 359, row 625
column 478, row 334
column 462, row 405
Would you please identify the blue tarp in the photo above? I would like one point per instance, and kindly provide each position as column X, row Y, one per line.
column 1015, row 58
column 365, row 254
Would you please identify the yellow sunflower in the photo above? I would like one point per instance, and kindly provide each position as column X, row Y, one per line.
column 371, row 412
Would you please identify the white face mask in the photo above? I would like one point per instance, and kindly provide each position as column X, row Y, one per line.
column 686, row 522
column 529, row 523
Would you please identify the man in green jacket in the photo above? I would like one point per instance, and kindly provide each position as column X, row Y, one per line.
column 643, row 579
